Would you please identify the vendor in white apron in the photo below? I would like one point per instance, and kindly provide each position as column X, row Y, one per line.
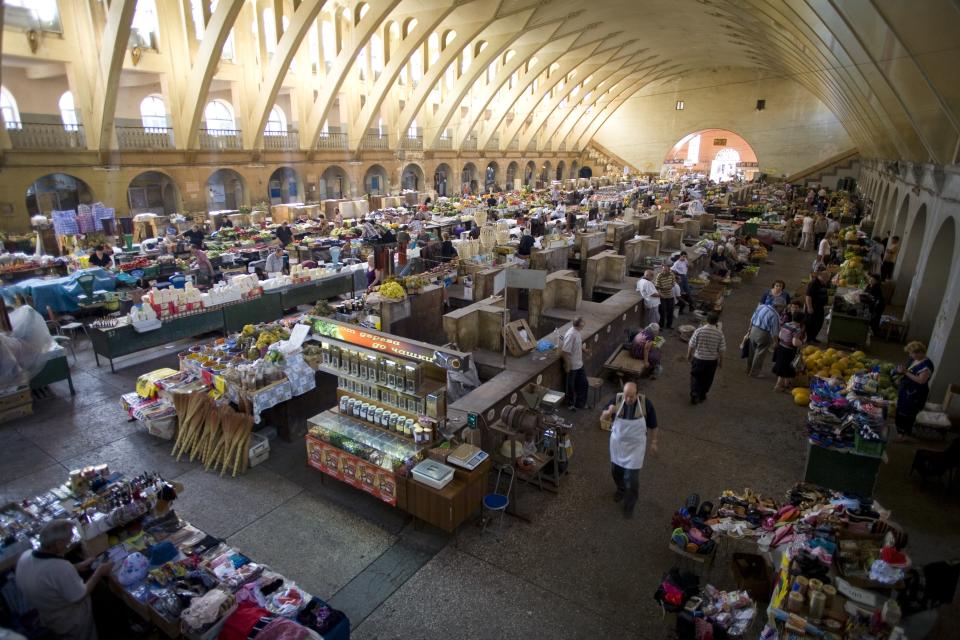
column 633, row 419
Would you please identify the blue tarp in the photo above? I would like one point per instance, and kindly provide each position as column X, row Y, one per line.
column 60, row 294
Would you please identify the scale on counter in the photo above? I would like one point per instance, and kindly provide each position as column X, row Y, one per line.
column 433, row 474
column 467, row 456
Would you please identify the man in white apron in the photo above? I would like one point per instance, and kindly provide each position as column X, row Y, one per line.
column 633, row 418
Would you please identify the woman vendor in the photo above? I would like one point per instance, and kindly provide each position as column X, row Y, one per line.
column 875, row 301
column 914, row 387
column 643, row 347
column 374, row 275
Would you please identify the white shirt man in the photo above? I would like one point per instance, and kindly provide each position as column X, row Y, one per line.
column 651, row 297
column 681, row 266
column 823, row 252
column 571, row 351
column 573, row 347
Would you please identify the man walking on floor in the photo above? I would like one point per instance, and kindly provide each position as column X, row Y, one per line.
column 806, row 233
column 664, row 282
column 572, row 354
column 764, row 331
column 634, row 419
column 651, row 298
column 705, row 353
column 815, row 303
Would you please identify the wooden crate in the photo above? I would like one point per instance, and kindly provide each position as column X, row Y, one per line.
column 16, row 405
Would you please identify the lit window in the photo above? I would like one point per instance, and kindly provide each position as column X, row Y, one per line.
column 363, row 11
column 145, row 21
column 269, row 31
column 412, row 131
column 491, row 72
column 449, row 37
column 68, row 112
column 409, row 27
column 329, row 41
column 416, row 67
column 43, row 11
column 276, row 123
column 466, row 59
column 679, row 105
column 563, row 104
column 325, row 131
column 313, row 42
column 153, row 113
column 362, row 63
column 376, row 53
column 433, row 47
column 218, row 115
column 380, row 131
column 11, row 114
column 196, row 12
column 693, row 150
column 450, row 76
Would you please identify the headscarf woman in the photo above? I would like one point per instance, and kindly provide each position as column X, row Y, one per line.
column 914, row 387
column 644, row 347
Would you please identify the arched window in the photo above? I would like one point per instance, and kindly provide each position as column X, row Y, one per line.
column 218, row 115
column 416, row 66
column 153, row 113
column 491, row 71
column 450, row 76
column 410, row 25
column 145, row 22
column 412, row 131
column 466, row 59
column 449, row 37
column 328, row 40
column 11, row 114
column 433, row 48
column 276, row 123
column 269, row 31
column 380, row 130
column 362, row 11
column 313, row 42
column 68, row 112
column 362, row 63
column 376, row 53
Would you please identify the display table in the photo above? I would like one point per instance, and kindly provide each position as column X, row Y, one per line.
column 848, row 330
column 845, row 471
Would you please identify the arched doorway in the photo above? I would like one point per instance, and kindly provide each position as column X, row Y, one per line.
column 574, row 168
column 512, row 169
column 225, row 190
column 376, row 182
column 333, row 183
column 721, row 154
column 910, row 254
column 586, row 172
column 412, row 178
column 560, row 167
column 282, row 187
column 153, row 192
column 440, row 179
column 490, row 178
column 468, row 178
column 57, row 192
column 928, row 300
column 546, row 175
column 528, row 173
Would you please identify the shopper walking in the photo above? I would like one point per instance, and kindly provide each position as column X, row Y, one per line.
column 53, row 585
column 820, row 225
column 651, row 298
column 681, row 269
column 776, row 296
column 815, row 303
column 664, row 282
column 572, row 353
column 705, row 353
column 890, row 258
column 763, row 335
column 875, row 256
column 634, row 421
column 914, row 387
column 790, row 340
column 806, row 233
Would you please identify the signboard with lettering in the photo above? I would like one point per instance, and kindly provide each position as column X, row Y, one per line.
column 370, row 339
column 748, row 165
column 719, row 142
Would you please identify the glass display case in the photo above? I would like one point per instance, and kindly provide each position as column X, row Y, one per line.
column 374, row 445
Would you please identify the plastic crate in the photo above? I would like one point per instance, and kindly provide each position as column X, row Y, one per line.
column 259, row 449
column 873, row 448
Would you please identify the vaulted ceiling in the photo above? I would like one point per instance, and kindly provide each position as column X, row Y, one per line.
column 885, row 68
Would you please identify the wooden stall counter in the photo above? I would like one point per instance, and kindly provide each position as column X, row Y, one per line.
column 451, row 506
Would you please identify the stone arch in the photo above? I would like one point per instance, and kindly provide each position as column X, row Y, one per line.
column 528, row 173
column 546, row 174
column 226, row 190
column 931, row 286
column 334, row 183
column 283, row 186
column 574, row 169
column 57, row 191
column 468, row 178
column 441, row 177
column 491, row 176
column 702, row 145
column 412, row 178
column 512, row 170
column 376, row 181
column 910, row 253
column 561, row 166
column 585, row 172
column 153, row 192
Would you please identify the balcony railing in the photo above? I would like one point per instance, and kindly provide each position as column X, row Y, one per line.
column 332, row 140
column 493, row 143
column 285, row 141
column 514, row 145
column 445, row 144
column 375, row 139
column 145, row 138
column 411, row 143
column 220, row 139
column 470, row 144
column 35, row 135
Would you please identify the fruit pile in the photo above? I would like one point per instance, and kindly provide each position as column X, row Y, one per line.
column 831, row 363
column 392, row 290
column 851, row 273
column 139, row 263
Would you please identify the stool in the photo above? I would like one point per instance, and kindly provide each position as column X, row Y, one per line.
column 895, row 330
column 594, row 386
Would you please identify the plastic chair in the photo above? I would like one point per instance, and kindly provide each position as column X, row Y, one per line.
column 66, row 343
column 56, row 324
column 497, row 501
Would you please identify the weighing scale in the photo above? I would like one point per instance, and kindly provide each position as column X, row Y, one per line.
column 467, row 456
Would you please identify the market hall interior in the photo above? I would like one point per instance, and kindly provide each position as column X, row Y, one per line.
column 143, row 117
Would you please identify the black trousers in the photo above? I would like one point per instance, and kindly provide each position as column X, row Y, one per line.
column 628, row 485
column 886, row 270
column 666, row 313
column 817, row 237
column 577, row 388
column 815, row 323
column 701, row 377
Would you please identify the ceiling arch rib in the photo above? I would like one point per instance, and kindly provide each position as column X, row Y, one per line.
column 427, row 22
column 612, row 74
column 496, row 47
column 304, row 18
column 549, row 51
column 205, row 66
column 466, row 34
column 581, row 54
column 376, row 14
column 112, row 51
column 545, row 101
column 560, row 128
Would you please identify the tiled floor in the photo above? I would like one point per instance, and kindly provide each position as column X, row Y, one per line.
column 578, row 569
